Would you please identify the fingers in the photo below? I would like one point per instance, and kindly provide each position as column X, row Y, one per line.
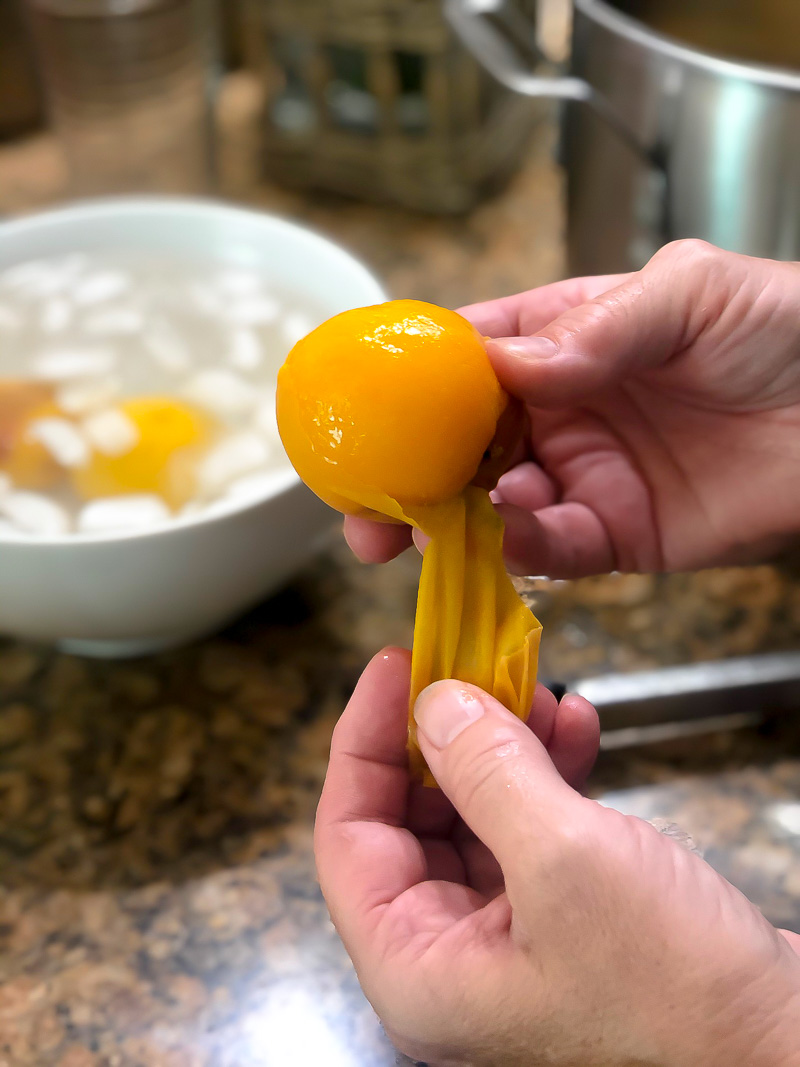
column 569, row 730
column 640, row 320
column 375, row 542
column 571, row 742
column 542, row 716
column 481, row 870
column 522, row 313
column 375, row 838
column 430, row 812
column 378, row 542
column 526, row 486
column 526, row 313
column 444, row 862
column 364, row 858
column 366, row 776
column 564, row 541
column 495, row 771
column 575, row 740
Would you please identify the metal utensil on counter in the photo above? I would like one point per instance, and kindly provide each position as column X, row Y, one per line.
column 695, row 698
column 662, row 140
column 130, row 88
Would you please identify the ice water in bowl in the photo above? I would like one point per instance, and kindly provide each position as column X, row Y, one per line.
column 135, row 391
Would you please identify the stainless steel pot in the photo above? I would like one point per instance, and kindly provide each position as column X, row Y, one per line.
column 659, row 140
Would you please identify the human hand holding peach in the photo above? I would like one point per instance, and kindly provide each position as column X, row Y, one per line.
column 664, row 411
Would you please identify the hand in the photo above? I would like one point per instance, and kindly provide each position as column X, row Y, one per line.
column 508, row 920
column 664, row 417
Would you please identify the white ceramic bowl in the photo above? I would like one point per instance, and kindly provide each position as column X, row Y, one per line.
column 125, row 595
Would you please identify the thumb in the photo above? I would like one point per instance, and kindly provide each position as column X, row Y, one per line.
column 652, row 315
column 495, row 771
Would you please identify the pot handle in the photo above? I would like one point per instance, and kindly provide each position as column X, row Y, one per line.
column 502, row 39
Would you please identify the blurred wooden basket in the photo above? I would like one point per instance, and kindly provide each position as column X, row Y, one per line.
column 377, row 100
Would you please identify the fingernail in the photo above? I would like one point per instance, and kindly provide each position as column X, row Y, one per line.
column 444, row 709
column 421, row 540
column 528, row 348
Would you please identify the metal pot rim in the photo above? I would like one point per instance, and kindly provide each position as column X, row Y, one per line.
column 638, row 33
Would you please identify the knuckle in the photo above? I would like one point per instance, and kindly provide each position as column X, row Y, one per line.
column 589, row 316
column 689, row 251
column 485, row 765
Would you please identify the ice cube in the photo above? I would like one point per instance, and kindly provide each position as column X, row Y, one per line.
column 256, row 486
column 120, row 320
column 253, row 311
column 245, row 351
column 206, row 299
column 61, row 364
column 98, row 288
column 10, row 319
column 79, row 398
column 56, row 315
column 233, row 457
column 62, row 439
column 295, row 326
column 221, row 392
column 34, row 514
column 111, row 432
column 23, row 273
column 71, row 266
column 239, row 282
column 36, row 277
column 168, row 348
column 44, row 278
column 134, row 512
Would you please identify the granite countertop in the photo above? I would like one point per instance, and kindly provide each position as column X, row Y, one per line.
column 158, row 904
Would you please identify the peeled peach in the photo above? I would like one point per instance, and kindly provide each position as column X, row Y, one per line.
column 24, row 459
column 394, row 412
column 399, row 400
column 167, row 441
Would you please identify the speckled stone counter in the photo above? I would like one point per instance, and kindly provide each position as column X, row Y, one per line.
column 158, row 904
